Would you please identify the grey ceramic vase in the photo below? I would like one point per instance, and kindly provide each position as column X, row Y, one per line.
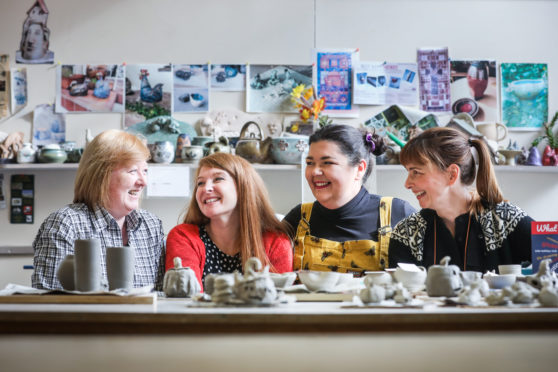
column 65, row 273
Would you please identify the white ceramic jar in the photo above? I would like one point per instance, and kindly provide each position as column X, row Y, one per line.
column 26, row 154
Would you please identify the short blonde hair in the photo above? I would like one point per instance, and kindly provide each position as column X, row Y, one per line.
column 108, row 151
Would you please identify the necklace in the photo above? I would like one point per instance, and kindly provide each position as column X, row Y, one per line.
column 466, row 243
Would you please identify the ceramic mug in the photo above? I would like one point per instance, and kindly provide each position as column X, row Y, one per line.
column 87, row 264
column 120, row 268
column 412, row 279
column 493, row 131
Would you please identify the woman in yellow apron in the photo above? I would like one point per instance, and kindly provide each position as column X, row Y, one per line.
column 346, row 229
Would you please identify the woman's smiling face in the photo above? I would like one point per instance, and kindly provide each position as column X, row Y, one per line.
column 216, row 192
column 333, row 181
column 429, row 184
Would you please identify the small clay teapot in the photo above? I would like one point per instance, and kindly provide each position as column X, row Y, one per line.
column 252, row 148
column 180, row 281
column 256, row 287
column 443, row 279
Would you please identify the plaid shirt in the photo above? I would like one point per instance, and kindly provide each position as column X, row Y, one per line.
column 57, row 233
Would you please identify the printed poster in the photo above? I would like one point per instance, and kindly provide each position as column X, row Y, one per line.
column 333, row 81
column 269, row 86
column 544, row 244
column 524, row 90
column 380, row 83
column 190, row 88
column 434, row 79
column 474, row 89
column 18, row 87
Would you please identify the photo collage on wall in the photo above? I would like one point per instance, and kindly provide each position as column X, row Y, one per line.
column 381, row 83
column 190, row 88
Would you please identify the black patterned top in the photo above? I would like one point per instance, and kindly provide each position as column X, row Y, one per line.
column 500, row 235
column 216, row 261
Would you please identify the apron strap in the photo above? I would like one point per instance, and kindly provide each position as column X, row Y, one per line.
column 302, row 230
column 384, row 233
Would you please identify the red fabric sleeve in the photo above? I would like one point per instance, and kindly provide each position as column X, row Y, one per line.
column 184, row 241
column 279, row 249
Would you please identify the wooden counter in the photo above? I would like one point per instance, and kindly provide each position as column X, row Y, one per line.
column 174, row 316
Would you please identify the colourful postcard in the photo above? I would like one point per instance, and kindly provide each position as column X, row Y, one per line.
column 474, row 89
column 269, row 86
column 190, row 88
column 434, row 79
column 524, row 95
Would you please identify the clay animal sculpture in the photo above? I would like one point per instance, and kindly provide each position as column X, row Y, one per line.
column 544, row 274
column 11, row 145
column 180, row 281
column 443, row 279
column 255, row 287
column 147, row 93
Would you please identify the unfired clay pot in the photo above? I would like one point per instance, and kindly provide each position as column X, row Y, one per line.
column 180, row 281
column 443, row 279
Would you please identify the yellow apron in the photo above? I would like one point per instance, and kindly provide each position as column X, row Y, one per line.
column 312, row 253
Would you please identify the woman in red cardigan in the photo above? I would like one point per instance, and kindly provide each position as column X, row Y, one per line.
column 229, row 220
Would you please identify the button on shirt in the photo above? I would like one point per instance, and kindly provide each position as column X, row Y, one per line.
column 58, row 232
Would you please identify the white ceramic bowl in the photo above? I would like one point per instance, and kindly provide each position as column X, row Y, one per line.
column 509, row 269
column 283, row 280
column 319, row 280
column 499, row 281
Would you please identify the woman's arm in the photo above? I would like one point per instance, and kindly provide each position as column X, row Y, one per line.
column 279, row 250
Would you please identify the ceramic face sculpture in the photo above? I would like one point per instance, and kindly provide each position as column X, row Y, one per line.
column 443, row 279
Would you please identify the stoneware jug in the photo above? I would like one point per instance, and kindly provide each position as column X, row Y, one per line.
column 443, row 279
column 180, row 281
column 65, row 273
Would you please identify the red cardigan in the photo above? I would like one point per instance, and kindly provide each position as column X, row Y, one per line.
column 184, row 241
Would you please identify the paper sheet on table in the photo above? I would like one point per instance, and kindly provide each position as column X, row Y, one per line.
column 12, row 289
column 168, row 181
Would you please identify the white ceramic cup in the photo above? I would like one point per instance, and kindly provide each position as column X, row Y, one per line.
column 120, row 267
column 493, row 131
column 509, row 269
column 87, row 265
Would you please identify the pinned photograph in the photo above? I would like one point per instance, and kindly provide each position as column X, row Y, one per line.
column 269, row 86
column 34, row 44
column 474, row 89
column 90, row 88
column 48, row 126
column 148, row 92
column 18, row 87
column 524, row 92
column 228, row 77
column 385, row 83
column 4, row 69
column 190, row 88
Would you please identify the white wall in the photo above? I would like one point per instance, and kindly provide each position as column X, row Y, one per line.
column 266, row 31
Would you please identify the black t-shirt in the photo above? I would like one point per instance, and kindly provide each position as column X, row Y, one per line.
column 356, row 220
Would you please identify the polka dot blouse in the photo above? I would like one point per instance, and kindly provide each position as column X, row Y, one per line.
column 217, row 262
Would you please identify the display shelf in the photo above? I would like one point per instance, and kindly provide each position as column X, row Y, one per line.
column 497, row 168
column 74, row 166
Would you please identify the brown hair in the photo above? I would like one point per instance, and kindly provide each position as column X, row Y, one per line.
column 108, row 151
column 255, row 211
column 442, row 147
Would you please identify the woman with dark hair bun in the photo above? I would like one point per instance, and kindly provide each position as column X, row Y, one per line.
column 346, row 229
column 470, row 222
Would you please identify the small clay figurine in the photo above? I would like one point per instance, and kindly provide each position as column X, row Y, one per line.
column 180, row 281
column 372, row 293
column 534, row 157
column 256, row 287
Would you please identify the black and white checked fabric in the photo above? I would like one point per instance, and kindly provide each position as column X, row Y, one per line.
column 55, row 240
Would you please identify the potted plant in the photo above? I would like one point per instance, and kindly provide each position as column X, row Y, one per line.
column 550, row 155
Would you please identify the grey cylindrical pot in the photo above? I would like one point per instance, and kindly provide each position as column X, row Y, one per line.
column 87, row 265
column 120, row 267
